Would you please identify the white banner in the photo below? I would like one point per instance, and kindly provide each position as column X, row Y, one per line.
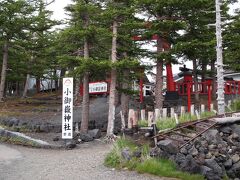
column 67, row 108
column 98, row 87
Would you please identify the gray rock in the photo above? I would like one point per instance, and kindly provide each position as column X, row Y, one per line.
column 56, row 138
column 226, row 129
column 236, row 169
column 235, row 136
column 200, row 159
column 190, row 165
column 95, row 133
column 86, row 137
column 204, row 170
column 155, row 152
column 235, row 158
column 70, row 144
column 236, row 129
column 137, row 153
column 44, row 128
column 212, row 136
column 12, row 122
column 180, row 158
column 212, row 146
column 126, row 154
column 184, row 151
column 168, row 146
column 209, row 155
column 193, row 151
column 228, row 164
column 211, row 163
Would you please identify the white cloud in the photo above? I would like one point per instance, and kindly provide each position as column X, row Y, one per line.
column 58, row 9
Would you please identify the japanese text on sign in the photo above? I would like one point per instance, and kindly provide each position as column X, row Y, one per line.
column 67, row 108
column 98, row 87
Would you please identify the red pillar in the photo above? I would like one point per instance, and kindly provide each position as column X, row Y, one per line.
column 189, row 96
column 170, row 81
column 141, row 90
column 209, row 85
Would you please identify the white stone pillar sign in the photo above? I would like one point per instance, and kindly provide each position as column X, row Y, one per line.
column 67, row 108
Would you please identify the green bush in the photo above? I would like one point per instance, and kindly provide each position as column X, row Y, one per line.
column 235, row 106
column 165, row 168
column 144, row 164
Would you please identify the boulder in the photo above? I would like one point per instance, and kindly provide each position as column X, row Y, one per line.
column 180, row 158
column 184, row 151
column 168, row 146
column 137, row 153
column 126, row 154
column 226, row 129
column 235, row 158
column 95, row 133
column 228, row 164
column 211, row 163
column 56, row 138
column 190, row 165
column 204, row 170
column 155, row 152
column 86, row 137
column 193, row 151
column 70, row 144
column 236, row 129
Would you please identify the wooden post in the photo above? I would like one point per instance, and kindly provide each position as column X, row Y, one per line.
column 76, row 127
column 197, row 114
column 202, row 108
column 192, row 109
column 211, row 108
column 229, row 103
column 122, row 120
column 157, row 114
column 150, row 118
column 176, row 118
column 182, row 110
column 135, row 119
column 172, row 112
column 143, row 114
column 130, row 118
column 164, row 113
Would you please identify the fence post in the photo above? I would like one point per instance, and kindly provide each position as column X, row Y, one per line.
column 182, row 110
column 150, row 118
column 143, row 114
column 192, row 109
column 172, row 112
column 164, row 113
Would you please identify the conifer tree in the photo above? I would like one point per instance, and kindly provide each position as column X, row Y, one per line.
column 15, row 21
column 164, row 20
column 84, row 14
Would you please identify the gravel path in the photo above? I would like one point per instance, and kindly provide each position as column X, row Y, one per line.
column 84, row 163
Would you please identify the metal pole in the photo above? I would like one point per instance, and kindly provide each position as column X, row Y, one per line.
column 220, row 80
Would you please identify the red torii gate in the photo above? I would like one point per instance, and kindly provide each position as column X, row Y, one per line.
column 171, row 87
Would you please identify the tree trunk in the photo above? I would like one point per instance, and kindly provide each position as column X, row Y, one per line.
column 214, row 88
column 4, row 70
column 111, row 112
column 125, row 97
column 85, row 102
column 77, row 94
column 204, row 70
column 38, row 85
column 159, row 78
column 195, row 79
column 63, row 71
column 24, row 95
